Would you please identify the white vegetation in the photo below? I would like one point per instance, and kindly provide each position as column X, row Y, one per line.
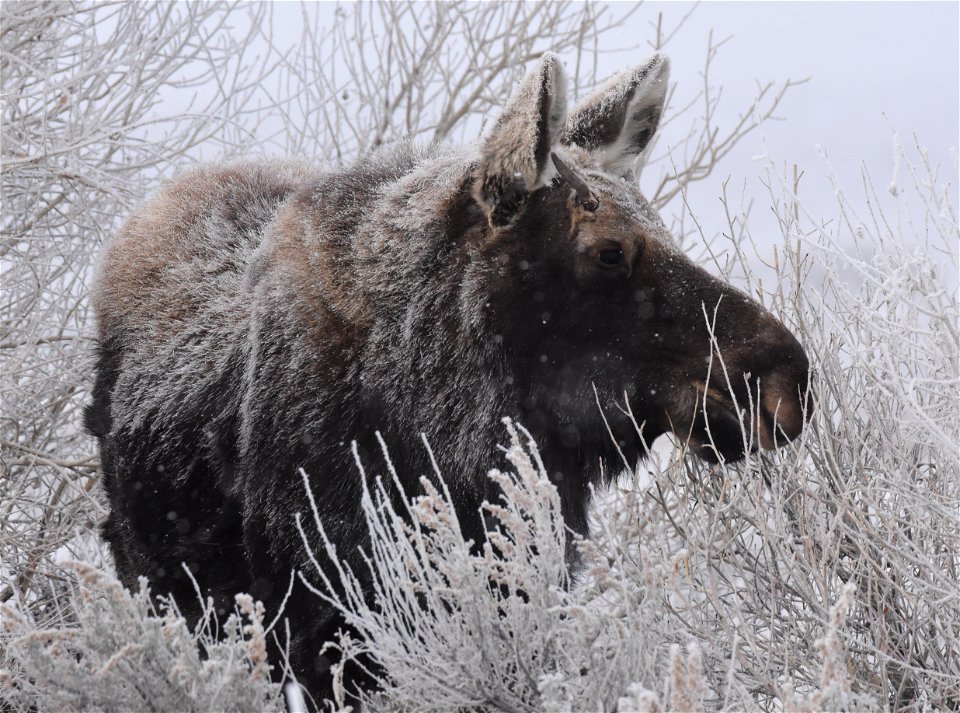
column 85, row 134
column 122, row 655
column 823, row 576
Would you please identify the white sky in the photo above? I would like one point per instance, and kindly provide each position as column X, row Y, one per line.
column 864, row 60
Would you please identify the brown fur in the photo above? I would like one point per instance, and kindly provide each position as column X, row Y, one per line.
column 256, row 319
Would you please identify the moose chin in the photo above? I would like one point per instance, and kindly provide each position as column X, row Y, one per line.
column 257, row 318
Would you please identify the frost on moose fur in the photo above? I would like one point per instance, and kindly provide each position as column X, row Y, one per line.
column 257, row 318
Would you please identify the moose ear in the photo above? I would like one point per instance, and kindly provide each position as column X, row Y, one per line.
column 515, row 156
column 616, row 122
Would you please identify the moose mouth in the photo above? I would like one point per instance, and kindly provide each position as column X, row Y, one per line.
column 720, row 429
column 717, row 431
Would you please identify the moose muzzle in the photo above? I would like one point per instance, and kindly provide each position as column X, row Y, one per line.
column 752, row 396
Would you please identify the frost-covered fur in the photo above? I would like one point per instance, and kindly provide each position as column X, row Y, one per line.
column 514, row 160
column 257, row 318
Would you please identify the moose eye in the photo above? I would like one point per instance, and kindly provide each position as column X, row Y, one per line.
column 610, row 257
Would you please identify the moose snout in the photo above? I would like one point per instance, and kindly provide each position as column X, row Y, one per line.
column 785, row 406
column 778, row 378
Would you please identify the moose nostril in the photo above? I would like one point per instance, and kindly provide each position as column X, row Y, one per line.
column 779, row 380
column 786, row 403
column 784, row 418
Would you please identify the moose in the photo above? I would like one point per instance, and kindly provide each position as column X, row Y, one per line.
column 259, row 317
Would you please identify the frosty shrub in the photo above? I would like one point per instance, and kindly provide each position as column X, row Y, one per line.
column 499, row 629
column 122, row 655
column 86, row 130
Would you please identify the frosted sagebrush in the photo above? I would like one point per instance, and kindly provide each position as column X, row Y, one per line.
column 504, row 628
column 119, row 654
column 452, row 625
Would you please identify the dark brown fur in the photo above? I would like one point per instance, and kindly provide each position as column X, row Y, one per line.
column 257, row 319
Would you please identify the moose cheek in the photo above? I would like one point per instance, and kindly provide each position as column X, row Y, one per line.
column 645, row 307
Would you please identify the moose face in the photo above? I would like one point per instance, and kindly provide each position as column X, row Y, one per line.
column 597, row 308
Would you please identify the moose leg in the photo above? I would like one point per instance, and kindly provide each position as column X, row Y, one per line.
column 270, row 536
column 157, row 527
column 275, row 545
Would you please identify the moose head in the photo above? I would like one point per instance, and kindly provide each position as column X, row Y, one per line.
column 595, row 305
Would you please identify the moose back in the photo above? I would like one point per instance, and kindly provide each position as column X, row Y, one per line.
column 257, row 318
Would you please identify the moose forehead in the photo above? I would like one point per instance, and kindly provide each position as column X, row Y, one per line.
column 623, row 215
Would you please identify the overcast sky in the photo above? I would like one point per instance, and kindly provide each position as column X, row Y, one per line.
column 864, row 60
